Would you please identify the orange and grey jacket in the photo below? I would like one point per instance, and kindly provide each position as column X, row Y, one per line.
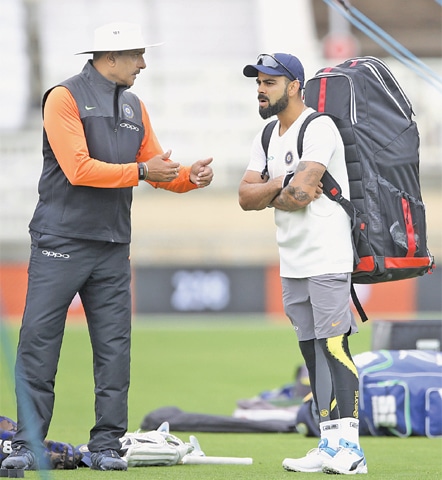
column 94, row 134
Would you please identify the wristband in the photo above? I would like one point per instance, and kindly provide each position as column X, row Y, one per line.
column 143, row 171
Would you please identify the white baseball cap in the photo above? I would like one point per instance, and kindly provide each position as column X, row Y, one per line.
column 116, row 37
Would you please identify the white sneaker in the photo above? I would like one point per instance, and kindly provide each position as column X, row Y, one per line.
column 313, row 461
column 349, row 460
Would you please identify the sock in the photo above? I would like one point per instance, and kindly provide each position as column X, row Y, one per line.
column 350, row 429
column 331, row 430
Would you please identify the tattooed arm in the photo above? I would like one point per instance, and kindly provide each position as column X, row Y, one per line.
column 255, row 192
column 303, row 188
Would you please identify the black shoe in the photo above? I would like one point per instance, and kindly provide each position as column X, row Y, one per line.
column 20, row 458
column 107, row 460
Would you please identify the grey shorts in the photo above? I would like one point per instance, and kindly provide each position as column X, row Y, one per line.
column 319, row 306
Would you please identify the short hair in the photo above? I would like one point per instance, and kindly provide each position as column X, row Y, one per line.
column 98, row 55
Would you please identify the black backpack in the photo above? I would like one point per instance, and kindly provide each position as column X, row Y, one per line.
column 374, row 118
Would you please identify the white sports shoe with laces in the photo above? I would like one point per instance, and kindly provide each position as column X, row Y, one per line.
column 313, row 461
column 349, row 460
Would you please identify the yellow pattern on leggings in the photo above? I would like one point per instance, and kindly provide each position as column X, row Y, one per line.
column 334, row 346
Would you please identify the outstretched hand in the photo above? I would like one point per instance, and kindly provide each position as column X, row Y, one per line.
column 162, row 169
column 201, row 174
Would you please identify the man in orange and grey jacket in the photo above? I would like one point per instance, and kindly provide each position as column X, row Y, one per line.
column 98, row 144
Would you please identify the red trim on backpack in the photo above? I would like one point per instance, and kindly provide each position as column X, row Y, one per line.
column 406, row 262
column 366, row 264
column 323, row 91
column 411, row 240
column 353, row 64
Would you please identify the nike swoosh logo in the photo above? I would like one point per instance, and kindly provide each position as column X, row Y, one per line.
column 335, row 324
column 355, row 465
column 89, row 108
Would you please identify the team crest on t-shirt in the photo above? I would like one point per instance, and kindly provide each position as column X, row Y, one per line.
column 128, row 112
column 288, row 158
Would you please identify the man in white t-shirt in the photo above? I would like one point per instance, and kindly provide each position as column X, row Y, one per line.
column 316, row 256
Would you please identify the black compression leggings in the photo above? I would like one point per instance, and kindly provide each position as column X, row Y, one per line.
column 320, row 380
column 333, row 374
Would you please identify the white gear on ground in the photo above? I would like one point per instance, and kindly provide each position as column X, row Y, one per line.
column 153, row 448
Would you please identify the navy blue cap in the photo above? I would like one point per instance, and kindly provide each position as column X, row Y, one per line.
column 277, row 64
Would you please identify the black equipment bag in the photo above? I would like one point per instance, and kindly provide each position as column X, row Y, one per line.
column 374, row 117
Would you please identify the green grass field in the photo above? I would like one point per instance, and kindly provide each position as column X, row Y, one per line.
column 205, row 366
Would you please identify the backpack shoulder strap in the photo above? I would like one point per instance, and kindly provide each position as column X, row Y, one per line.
column 331, row 187
column 303, row 128
column 265, row 141
column 266, row 134
column 268, row 130
column 357, row 303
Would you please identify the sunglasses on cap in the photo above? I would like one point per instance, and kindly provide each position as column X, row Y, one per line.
column 268, row 60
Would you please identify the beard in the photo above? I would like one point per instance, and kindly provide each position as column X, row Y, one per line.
column 276, row 108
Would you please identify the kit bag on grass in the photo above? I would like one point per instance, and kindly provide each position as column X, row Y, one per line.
column 374, row 118
column 56, row 455
column 399, row 395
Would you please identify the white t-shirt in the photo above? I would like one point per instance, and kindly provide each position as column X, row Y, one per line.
column 314, row 240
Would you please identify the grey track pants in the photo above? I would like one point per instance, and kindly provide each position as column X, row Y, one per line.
column 100, row 272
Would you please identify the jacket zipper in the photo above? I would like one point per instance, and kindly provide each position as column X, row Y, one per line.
column 116, row 110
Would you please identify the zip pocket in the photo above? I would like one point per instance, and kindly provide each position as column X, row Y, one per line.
column 403, row 219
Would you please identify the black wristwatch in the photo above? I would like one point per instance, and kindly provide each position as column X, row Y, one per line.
column 143, row 170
